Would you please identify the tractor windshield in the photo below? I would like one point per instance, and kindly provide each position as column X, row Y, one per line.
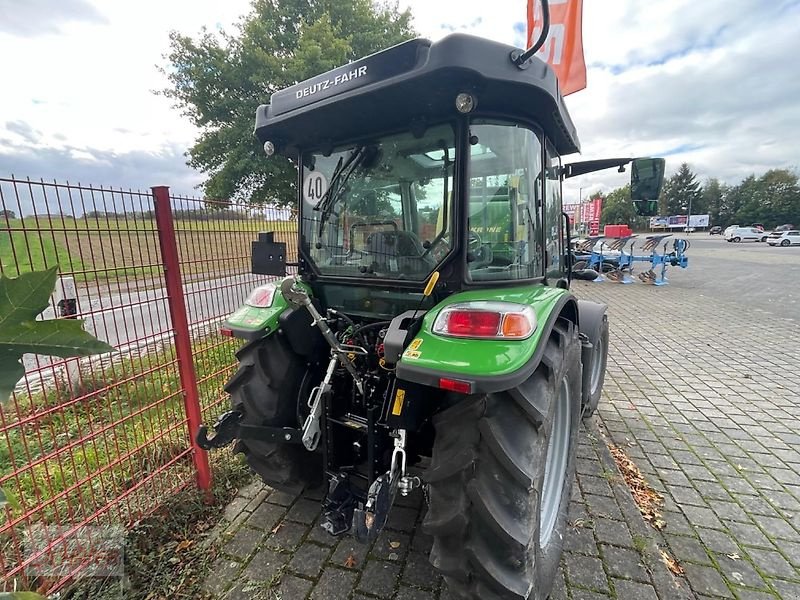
column 382, row 208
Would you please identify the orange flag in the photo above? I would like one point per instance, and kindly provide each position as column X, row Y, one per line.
column 563, row 49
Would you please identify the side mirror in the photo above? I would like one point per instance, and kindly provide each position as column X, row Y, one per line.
column 585, row 274
column 647, row 177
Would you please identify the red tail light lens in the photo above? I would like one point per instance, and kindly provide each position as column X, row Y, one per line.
column 262, row 296
column 487, row 320
column 455, row 385
column 473, row 323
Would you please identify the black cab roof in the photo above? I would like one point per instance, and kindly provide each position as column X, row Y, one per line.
column 415, row 82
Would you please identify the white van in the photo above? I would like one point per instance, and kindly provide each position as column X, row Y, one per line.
column 745, row 234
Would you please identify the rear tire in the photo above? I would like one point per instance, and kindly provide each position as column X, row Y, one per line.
column 500, row 480
column 271, row 384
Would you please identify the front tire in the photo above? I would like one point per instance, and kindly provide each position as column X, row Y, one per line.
column 595, row 371
column 500, row 480
column 272, row 383
column 737, row 239
column 785, row 243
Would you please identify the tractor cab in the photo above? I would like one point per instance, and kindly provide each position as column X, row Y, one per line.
column 427, row 157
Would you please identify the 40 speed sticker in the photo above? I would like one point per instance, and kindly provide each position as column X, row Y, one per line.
column 315, row 184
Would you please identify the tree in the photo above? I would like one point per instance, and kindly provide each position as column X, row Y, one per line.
column 741, row 202
column 772, row 199
column 680, row 191
column 219, row 80
column 618, row 208
column 778, row 197
column 714, row 194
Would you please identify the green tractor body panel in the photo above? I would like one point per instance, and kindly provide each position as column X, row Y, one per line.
column 251, row 322
column 486, row 363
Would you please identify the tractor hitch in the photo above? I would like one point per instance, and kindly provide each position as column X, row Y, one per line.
column 228, row 428
column 337, row 510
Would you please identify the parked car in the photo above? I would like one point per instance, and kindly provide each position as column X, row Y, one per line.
column 784, row 238
column 745, row 234
column 715, row 230
column 784, row 227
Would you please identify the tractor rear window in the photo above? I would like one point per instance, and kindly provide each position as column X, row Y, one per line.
column 505, row 186
column 382, row 208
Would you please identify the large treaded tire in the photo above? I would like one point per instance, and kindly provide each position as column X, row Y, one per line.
column 486, row 478
column 267, row 389
column 594, row 379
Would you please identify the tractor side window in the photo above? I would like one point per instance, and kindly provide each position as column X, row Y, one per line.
column 553, row 221
column 505, row 194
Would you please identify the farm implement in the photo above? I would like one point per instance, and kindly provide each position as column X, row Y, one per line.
column 614, row 258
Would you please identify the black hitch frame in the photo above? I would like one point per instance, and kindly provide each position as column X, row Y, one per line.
column 228, row 428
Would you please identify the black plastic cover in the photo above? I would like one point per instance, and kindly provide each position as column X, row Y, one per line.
column 413, row 81
column 399, row 334
column 268, row 257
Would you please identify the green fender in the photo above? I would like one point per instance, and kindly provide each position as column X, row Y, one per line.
column 488, row 365
column 250, row 322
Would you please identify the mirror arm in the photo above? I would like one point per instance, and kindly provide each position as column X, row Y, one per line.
column 590, row 166
column 520, row 58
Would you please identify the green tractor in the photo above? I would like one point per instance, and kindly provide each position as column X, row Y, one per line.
column 426, row 336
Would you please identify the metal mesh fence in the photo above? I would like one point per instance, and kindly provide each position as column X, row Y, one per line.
column 103, row 440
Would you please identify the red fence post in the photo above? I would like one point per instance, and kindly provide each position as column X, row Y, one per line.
column 180, row 325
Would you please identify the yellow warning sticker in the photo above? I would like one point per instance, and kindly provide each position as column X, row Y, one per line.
column 412, row 354
column 415, row 344
column 399, row 397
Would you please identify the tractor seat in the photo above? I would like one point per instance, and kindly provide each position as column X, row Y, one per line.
column 393, row 244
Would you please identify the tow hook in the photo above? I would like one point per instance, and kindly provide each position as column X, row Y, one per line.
column 370, row 520
column 226, row 430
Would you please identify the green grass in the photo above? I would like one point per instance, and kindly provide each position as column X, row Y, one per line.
column 141, row 401
column 148, row 224
column 105, row 249
column 22, row 252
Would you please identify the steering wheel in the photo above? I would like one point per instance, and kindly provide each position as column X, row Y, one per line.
column 474, row 241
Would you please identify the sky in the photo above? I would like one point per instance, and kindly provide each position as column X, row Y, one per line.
column 712, row 83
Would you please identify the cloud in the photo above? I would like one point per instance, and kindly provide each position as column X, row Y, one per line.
column 24, row 130
column 711, row 83
column 30, row 18
column 137, row 170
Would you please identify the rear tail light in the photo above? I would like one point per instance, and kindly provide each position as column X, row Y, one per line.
column 455, row 385
column 262, row 296
column 486, row 320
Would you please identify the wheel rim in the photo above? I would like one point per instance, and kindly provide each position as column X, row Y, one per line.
column 597, row 364
column 556, row 465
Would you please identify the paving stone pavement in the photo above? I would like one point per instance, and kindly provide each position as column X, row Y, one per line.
column 271, row 546
column 703, row 394
column 700, row 393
